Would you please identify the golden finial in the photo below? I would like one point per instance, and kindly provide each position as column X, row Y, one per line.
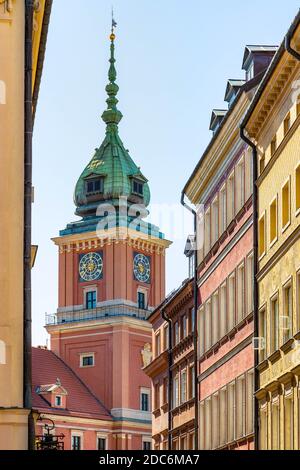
column 113, row 26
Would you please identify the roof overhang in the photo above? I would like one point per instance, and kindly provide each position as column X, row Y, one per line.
column 42, row 14
column 262, row 90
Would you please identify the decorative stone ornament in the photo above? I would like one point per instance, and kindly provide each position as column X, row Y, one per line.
column 7, row 4
column 146, row 355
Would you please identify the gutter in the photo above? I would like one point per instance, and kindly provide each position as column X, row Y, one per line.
column 28, row 122
column 41, row 56
column 186, row 206
column 288, row 47
column 170, row 363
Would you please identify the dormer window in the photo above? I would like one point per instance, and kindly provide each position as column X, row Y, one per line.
column 250, row 72
column 94, row 186
column 138, row 187
column 58, row 401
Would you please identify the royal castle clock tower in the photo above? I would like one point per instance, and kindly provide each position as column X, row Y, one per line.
column 111, row 276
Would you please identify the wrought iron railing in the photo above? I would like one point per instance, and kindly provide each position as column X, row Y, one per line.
column 119, row 310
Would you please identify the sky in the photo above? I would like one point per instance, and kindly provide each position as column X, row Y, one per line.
column 174, row 58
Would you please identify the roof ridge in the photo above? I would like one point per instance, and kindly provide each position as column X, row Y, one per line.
column 80, row 380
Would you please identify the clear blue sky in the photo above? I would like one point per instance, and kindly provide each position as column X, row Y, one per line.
column 173, row 60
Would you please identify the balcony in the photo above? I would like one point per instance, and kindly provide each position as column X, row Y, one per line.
column 117, row 310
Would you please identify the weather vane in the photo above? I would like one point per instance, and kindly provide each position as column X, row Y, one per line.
column 113, row 25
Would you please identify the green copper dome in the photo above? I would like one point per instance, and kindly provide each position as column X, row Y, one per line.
column 111, row 173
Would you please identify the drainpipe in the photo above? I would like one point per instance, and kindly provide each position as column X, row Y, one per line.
column 27, row 374
column 195, row 318
column 288, row 47
column 255, row 285
column 170, row 363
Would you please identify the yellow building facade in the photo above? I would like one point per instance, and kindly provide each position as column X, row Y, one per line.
column 273, row 125
column 13, row 415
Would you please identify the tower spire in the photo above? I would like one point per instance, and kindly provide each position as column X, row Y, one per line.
column 112, row 116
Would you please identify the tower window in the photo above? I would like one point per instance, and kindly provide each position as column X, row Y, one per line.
column 91, row 300
column 141, row 300
column 87, row 360
column 145, row 400
column 137, row 187
column 94, row 186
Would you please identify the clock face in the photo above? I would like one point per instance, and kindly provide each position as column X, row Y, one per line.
column 141, row 268
column 91, row 267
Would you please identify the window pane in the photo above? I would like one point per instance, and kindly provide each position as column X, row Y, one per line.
column 145, row 402
column 91, row 300
column 286, row 204
column 76, row 443
column 141, row 300
column 88, row 361
column 101, row 444
column 274, row 326
column 146, row 445
column 275, row 425
column 261, row 248
column 298, row 188
column 231, row 302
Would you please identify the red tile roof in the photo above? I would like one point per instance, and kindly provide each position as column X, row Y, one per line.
column 46, row 368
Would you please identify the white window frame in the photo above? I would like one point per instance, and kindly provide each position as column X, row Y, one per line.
column 84, row 355
column 145, row 391
column 274, row 240
column 240, row 184
column 240, row 293
column 297, row 169
column 104, row 437
column 222, row 210
column 214, row 221
column 144, row 291
column 285, row 227
column 77, row 434
column 88, row 289
column 147, row 439
column 61, row 401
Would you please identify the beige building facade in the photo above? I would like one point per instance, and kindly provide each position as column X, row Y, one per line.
column 13, row 415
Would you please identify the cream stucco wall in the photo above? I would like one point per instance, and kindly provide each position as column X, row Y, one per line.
column 13, row 422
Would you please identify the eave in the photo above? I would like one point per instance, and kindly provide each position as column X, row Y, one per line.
column 158, row 365
column 41, row 20
column 277, row 75
column 220, row 138
column 280, row 80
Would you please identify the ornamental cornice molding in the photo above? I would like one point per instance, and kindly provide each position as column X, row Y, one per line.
column 222, row 145
column 7, row 5
column 136, row 240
